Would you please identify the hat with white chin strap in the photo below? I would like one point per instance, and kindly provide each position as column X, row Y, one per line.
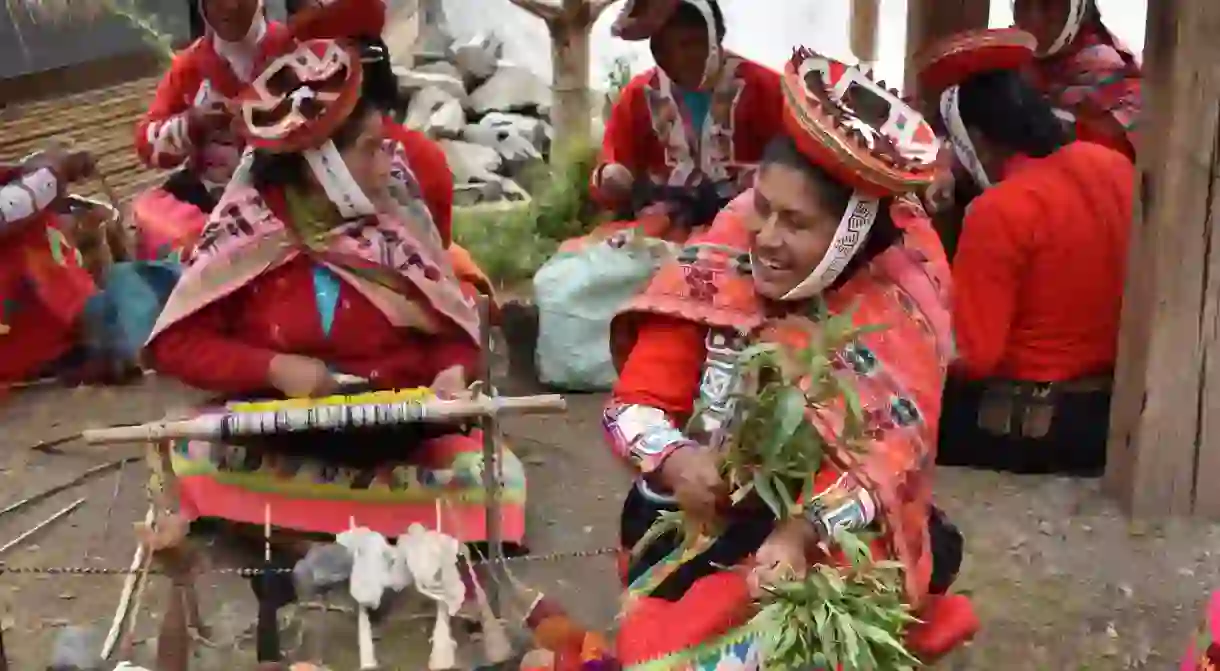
column 298, row 102
column 642, row 19
column 865, row 137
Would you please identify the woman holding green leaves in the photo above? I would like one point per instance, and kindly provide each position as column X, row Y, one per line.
column 779, row 395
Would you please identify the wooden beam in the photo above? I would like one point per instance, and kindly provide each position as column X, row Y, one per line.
column 1164, row 448
column 930, row 20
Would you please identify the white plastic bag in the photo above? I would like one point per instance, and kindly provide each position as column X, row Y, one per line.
column 577, row 294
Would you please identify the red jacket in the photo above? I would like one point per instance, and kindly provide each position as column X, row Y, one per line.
column 1040, row 267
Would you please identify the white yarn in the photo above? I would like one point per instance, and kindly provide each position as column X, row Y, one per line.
column 432, row 558
column 372, row 565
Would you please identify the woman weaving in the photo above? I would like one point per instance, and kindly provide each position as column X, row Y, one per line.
column 827, row 224
column 325, row 263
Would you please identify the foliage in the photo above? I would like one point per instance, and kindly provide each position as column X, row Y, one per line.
column 146, row 23
column 510, row 244
column 618, row 77
column 775, row 449
column 852, row 618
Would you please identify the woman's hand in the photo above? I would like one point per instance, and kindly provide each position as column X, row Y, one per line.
column 450, row 383
column 693, row 475
column 300, row 376
column 69, row 166
column 616, row 182
column 783, row 556
column 939, row 196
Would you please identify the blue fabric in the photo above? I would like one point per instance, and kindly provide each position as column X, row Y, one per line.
column 698, row 103
column 326, row 296
column 119, row 318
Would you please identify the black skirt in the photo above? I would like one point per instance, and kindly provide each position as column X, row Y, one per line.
column 1074, row 445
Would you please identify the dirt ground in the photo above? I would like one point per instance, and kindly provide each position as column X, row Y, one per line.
column 1061, row 580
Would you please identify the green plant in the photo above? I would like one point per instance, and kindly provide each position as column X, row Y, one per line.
column 618, row 77
column 148, row 25
column 510, row 244
column 849, row 618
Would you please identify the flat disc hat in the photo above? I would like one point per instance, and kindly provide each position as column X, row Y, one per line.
column 302, row 97
column 856, row 129
column 957, row 58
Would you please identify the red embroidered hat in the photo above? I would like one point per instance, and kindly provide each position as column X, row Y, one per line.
column 956, row 58
column 855, row 128
column 302, row 97
column 641, row 19
column 339, row 18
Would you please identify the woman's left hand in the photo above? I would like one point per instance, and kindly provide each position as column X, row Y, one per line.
column 783, row 556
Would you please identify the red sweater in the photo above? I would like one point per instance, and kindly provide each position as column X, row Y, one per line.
column 1040, row 267
column 227, row 347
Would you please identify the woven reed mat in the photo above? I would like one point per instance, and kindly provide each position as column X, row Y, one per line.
column 102, row 121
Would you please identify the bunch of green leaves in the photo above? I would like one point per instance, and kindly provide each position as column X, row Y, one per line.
column 851, row 619
column 775, row 449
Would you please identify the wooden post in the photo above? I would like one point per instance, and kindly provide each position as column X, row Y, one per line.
column 1165, row 420
column 930, row 20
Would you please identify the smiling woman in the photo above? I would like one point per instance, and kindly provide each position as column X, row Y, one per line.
column 796, row 209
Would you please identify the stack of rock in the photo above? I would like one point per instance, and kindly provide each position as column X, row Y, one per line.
column 489, row 115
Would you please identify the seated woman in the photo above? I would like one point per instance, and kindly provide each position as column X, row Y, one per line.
column 683, row 138
column 45, row 284
column 188, row 127
column 1087, row 72
column 327, row 224
column 829, row 223
column 1038, row 276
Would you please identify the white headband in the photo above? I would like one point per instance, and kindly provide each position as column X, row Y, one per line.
column 849, row 238
column 959, row 139
column 1071, row 27
column 712, row 66
column 341, row 188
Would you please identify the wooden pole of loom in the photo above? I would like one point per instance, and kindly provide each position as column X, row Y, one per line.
column 491, row 457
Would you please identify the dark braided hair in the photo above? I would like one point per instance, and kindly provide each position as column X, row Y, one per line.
column 1011, row 114
column 380, row 88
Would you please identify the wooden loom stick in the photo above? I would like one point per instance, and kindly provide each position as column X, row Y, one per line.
column 364, row 628
column 212, row 426
column 491, row 471
column 268, row 626
column 129, row 586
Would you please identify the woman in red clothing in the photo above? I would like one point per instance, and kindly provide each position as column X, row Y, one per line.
column 188, row 127
column 1089, row 74
column 685, row 137
column 1038, row 275
column 44, row 283
column 325, row 263
column 829, row 223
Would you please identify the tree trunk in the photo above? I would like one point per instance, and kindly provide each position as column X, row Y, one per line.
column 1164, row 448
column 572, row 110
